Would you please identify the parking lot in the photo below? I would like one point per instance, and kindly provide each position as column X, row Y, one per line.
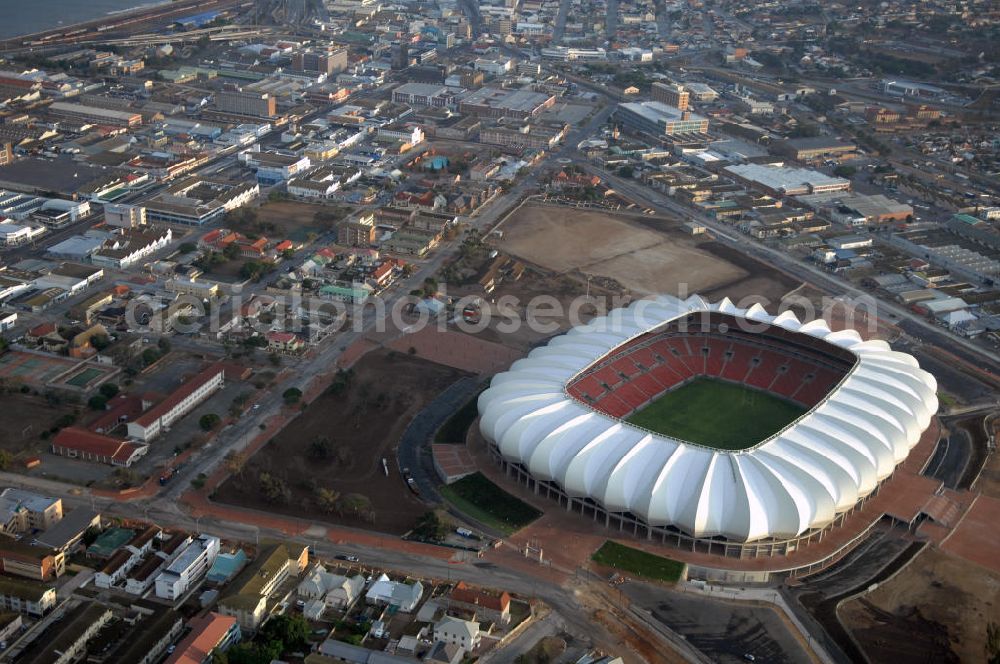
column 724, row 631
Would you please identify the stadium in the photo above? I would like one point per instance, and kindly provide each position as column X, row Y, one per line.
column 706, row 426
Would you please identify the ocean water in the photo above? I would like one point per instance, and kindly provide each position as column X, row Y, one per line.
column 26, row 16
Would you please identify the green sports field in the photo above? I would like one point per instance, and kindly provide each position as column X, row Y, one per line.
column 717, row 414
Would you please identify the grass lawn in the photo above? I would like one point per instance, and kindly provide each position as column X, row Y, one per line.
column 639, row 563
column 455, row 428
column 717, row 414
column 487, row 503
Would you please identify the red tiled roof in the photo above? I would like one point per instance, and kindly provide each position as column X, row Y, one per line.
column 206, row 633
column 280, row 337
column 178, row 395
column 486, row 599
column 42, row 329
column 81, row 440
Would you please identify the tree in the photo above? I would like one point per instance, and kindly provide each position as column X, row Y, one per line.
column 320, row 448
column 274, row 488
column 359, row 505
column 626, row 171
column 327, row 499
column 97, row 402
column 5, row 459
column 164, row 345
column 232, row 251
column 291, row 395
column 100, row 342
column 992, row 645
column 431, row 527
column 844, row 171
column 209, row 421
column 288, row 632
column 253, row 270
column 236, row 462
column 149, row 356
column 108, row 390
column 188, row 247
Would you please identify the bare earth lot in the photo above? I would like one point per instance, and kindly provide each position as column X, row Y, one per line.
column 935, row 610
column 295, row 219
column 646, row 256
column 23, row 419
column 363, row 424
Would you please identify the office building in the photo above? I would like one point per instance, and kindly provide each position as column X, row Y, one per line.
column 656, row 118
column 328, row 61
column 501, row 103
column 423, row 94
column 19, row 596
column 22, row 511
column 400, row 55
column 124, row 216
column 251, row 104
column 672, row 95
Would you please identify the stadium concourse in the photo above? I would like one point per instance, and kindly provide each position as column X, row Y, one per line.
column 558, row 420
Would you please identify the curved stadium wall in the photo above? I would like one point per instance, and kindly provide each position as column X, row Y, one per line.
column 557, row 419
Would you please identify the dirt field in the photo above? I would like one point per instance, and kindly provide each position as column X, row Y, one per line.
column 936, row 609
column 646, row 256
column 23, row 419
column 295, row 220
column 363, row 424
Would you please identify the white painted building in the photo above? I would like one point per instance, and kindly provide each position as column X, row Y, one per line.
column 462, row 633
column 124, row 216
column 12, row 235
column 187, row 568
column 154, row 421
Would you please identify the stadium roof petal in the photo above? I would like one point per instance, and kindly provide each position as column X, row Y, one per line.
column 798, row 479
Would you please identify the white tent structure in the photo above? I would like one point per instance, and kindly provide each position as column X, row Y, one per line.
column 797, row 480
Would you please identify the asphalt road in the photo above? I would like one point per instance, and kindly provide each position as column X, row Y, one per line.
column 723, row 631
column 950, row 458
column 414, row 453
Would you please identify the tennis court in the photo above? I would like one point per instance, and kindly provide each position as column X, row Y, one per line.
column 32, row 368
column 41, row 371
column 84, row 377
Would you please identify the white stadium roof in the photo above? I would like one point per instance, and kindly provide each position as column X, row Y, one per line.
column 796, row 480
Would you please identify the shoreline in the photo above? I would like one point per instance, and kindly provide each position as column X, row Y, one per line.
column 114, row 17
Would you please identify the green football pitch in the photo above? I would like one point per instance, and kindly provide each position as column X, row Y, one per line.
column 717, row 414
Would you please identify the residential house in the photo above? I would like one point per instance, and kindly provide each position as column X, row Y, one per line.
column 462, row 633
column 404, row 597
column 486, row 604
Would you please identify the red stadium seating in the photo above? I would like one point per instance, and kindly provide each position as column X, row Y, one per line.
column 789, row 365
column 648, row 385
column 607, row 376
column 645, row 357
column 626, row 366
